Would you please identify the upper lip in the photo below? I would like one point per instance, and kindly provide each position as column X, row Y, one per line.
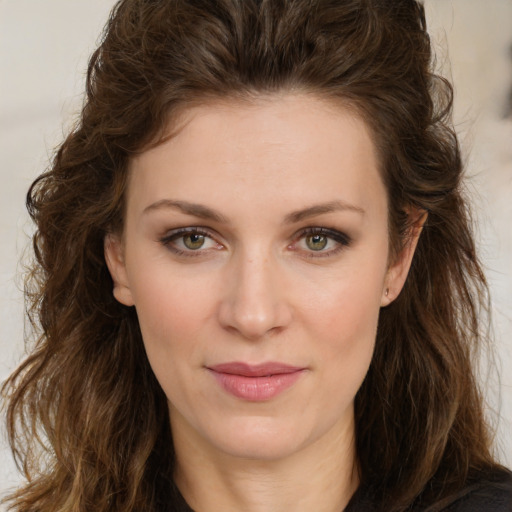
column 257, row 370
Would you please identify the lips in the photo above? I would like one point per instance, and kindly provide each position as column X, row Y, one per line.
column 259, row 370
column 256, row 383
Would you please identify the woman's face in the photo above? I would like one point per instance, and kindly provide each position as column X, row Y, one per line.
column 255, row 250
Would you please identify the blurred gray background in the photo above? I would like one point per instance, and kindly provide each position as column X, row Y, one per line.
column 44, row 47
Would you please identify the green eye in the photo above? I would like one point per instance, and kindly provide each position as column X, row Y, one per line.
column 316, row 242
column 193, row 241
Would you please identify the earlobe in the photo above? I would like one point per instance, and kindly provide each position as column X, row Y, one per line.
column 114, row 257
column 398, row 270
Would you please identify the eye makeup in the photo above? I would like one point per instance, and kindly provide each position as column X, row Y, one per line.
column 310, row 242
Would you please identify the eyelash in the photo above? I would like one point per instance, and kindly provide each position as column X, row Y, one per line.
column 341, row 239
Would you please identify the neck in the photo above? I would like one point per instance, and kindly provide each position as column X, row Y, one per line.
column 322, row 477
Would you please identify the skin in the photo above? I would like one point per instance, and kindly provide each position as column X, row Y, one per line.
column 259, row 289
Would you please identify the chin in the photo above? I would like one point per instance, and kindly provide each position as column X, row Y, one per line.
column 259, row 438
column 263, row 448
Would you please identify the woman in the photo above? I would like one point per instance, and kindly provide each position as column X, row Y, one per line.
column 256, row 282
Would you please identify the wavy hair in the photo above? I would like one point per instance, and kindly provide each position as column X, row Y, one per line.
column 87, row 420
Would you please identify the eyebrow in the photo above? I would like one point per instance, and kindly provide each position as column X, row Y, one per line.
column 319, row 209
column 203, row 212
column 197, row 210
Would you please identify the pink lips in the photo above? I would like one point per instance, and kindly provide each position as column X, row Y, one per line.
column 256, row 383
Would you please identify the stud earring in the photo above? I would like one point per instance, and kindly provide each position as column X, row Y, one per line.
column 386, row 293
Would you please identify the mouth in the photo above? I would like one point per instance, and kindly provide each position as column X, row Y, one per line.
column 256, row 383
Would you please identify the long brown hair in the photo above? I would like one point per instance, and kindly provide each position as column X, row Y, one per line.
column 87, row 420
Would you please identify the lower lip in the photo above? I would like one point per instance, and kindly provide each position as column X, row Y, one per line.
column 256, row 389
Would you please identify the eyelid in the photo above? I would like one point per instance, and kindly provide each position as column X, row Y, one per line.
column 335, row 234
column 176, row 233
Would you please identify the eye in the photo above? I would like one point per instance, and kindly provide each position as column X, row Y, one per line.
column 193, row 241
column 190, row 241
column 320, row 242
column 316, row 242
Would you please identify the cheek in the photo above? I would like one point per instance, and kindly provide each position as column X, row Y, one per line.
column 169, row 320
column 343, row 320
column 347, row 328
column 346, row 342
column 162, row 310
column 349, row 302
column 173, row 309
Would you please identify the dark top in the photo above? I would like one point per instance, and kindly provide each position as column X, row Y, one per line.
column 487, row 494
column 484, row 495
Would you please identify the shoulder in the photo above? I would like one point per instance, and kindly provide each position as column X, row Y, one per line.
column 490, row 493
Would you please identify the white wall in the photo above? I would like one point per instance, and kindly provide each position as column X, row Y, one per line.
column 44, row 46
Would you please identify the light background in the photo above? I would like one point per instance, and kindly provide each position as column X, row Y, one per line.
column 44, row 46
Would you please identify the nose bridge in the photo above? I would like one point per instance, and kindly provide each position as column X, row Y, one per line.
column 254, row 303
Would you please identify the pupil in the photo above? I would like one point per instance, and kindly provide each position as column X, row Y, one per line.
column 193, row 241
column 316, row 242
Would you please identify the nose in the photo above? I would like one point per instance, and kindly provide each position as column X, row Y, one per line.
column 254, row 303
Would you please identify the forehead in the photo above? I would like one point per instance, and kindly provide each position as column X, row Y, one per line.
column 294, row 147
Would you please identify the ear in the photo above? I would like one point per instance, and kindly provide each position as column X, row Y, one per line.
column 399, row 268
column 114, row 256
